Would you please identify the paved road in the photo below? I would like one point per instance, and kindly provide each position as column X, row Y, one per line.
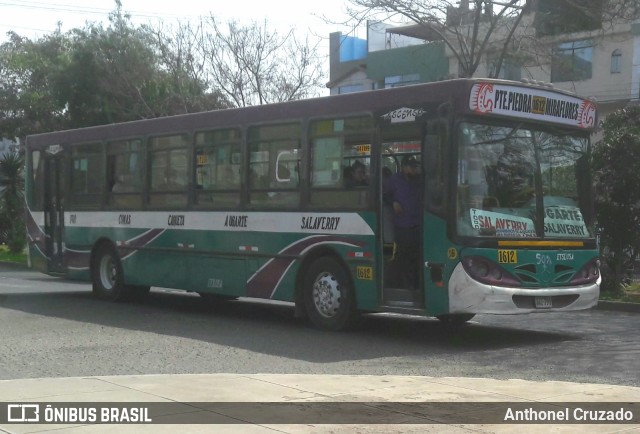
column 53, row 328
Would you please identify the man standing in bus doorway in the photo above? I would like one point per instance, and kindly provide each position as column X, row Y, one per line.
column 403, row 191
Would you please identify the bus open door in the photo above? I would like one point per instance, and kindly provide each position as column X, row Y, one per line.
column 54, row 211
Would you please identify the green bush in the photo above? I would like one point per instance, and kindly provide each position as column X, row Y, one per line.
column 17, row 239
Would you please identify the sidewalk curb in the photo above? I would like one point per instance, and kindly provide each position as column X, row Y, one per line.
column 619, row 306
column 17, row 265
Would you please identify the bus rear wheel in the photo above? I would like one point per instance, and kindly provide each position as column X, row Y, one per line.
column 329, row 298
column 107, row 275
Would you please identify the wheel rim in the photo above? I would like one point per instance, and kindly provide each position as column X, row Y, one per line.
column 326, row 295
column 108, row 272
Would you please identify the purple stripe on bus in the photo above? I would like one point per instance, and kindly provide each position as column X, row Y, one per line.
column 80, row 258
column 264, row 282
column 36, row 235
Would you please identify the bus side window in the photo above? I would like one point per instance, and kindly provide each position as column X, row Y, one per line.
column 274, row 166
column 86, row 176
column 340, row 162
column 168, row 160
column 125, row 173
column 217, row 169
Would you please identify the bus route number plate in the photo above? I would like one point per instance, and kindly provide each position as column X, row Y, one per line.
column 507, row 256
column 364, row 273
column 543, row 302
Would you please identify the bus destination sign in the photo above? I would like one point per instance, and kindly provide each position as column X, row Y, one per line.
column 538, row 104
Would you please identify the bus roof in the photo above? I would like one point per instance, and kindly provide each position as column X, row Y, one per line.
column 458, row 91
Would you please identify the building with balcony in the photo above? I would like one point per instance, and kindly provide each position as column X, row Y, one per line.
column 586, row 56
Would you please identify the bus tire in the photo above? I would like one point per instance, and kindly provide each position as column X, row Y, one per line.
column 455, row 319
column 137, row 292
column 107, row 275
column 329, row 297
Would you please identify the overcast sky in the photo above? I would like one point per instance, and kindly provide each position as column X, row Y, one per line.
column 34, row 18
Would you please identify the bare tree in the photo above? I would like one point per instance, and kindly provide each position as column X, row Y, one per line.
column 252, row 65
column 470, row 33
column 179, row 55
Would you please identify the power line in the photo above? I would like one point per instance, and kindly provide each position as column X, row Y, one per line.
column 67, row 14
column 82, row 10
column 79, row 10
column 13, row 27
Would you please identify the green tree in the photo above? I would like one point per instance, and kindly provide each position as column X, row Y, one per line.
column 95, row 75
column 616, row 165
column 12, row 200
column 120, row 73
column 184, row 69
column 29, row 72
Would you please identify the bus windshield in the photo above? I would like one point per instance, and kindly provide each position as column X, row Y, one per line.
column 517, row 182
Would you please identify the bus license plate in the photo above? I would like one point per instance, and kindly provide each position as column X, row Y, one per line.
column 364, row 273
column 543, row 302
column 507, row 256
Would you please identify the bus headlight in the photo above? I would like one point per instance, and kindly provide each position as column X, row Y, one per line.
column 587, row 274
column 486, row 271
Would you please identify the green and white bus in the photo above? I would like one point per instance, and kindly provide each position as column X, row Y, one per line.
column 253, row 202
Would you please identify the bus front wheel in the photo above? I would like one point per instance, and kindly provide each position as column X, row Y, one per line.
column 107, row 275
column 329, row 298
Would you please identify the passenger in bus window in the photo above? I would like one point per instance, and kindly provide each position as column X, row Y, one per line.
column 356, row 176
column 226, row 177
column 403, row 191
column 124, row 184
column 347, row 177
column 284, row 174
column 173, row 182
column 256, row 181
column 283, row 180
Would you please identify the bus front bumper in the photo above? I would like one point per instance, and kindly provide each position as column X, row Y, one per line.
column 467, row 295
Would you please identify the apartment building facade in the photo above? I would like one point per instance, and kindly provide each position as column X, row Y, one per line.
column 602, row 63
